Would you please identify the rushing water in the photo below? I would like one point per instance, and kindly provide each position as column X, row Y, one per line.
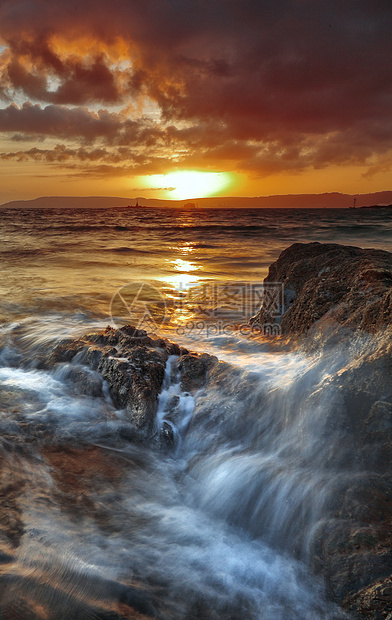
column 93, row 525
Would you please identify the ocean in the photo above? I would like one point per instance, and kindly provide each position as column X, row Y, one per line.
column 74, row 260
column 220, row 529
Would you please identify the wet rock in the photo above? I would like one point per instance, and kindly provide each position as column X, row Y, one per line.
column 379, row 422
column 339, row 299
column 64, row 352
column 133, row 365
column 167, row 437
column 92, row 355
column 83, row 483
column 135, row 384
column 194, row 368
column 373, row 602
column 347, row 285
column 172, row 403
column 130, row 361
column 355, row 543
column 83, row 380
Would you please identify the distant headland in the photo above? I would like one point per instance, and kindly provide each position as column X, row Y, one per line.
column 285, row 201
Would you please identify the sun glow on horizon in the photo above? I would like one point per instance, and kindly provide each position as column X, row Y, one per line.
column 186, row 184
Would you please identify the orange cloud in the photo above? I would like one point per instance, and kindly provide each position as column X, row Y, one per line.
column 249, row 85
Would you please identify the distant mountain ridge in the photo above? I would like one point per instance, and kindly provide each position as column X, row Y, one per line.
column 315, row 201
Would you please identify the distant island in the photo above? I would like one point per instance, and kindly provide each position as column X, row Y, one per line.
column 285, row 201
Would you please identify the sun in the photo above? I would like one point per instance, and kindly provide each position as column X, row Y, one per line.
column 185, row 184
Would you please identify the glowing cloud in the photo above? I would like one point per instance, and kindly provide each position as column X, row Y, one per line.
column 292, row 95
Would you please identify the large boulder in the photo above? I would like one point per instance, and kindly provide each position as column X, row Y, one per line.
column 131, row 362
column 346, row 285
column 339, row 299
column 133, row 365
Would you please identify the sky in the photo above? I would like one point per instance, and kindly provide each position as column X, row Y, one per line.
column 189, row 98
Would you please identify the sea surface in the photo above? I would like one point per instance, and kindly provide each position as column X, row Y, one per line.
column 75, row 260
column 220, row 529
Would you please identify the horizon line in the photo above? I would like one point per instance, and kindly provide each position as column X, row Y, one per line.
column 193, row 199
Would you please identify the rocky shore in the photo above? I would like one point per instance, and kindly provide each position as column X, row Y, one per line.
column 334, row 295
column 338, row 304
column 341, row 296
column 132, row 363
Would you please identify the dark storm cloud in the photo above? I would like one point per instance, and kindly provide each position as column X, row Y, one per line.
column 80, row 83
column 81, row 123
column 94, row 163
column 285, row 84
column 60, row 153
